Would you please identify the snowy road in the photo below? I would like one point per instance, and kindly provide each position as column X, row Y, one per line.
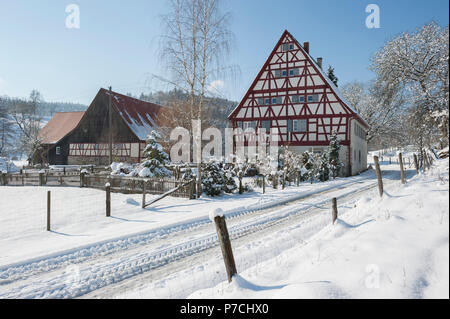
column 115, row 266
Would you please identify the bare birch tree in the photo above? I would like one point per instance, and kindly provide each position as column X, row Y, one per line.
column 196, row 42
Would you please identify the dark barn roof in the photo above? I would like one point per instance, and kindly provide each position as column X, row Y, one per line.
column 140, row 116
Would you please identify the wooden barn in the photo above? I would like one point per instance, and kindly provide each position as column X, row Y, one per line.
column 293, row 95
column 77, row 138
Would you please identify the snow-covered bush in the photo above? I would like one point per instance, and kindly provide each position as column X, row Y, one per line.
column 155, row 158
column 124, row 169
column 186, row 172
column 229, row 182
column 291, row 163
column 216, row 179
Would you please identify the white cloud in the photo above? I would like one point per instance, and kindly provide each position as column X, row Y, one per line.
column 216, row 86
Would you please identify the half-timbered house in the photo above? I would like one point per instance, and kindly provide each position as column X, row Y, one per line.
column 84, row 139
column 293, row 96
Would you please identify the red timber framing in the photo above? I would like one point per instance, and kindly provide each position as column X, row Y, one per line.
column 291, row 86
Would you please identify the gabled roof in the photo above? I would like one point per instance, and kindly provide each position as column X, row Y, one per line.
column 140, row 116
column 320, row 72
column 61, row 124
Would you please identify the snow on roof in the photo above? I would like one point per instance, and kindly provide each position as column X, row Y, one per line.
column 61, row 124
column 140, row 116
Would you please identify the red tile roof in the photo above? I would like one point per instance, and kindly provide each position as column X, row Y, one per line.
column 61, row 124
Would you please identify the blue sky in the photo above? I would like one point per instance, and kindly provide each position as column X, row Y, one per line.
column 117, row 43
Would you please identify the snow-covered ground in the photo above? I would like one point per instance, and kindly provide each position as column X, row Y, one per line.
column 284, row 244
column 394, row 247
column 78, row 215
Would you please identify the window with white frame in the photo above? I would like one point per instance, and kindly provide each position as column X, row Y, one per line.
column 58, row 150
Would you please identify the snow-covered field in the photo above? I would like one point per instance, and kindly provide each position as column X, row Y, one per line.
column 284, row 244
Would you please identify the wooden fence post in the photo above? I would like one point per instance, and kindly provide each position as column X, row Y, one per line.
column 48, row 210
column 82, row 179
column 416, row 163
column 41, row 178
column 108, row 199
column 225, row 243
column 264, row 183
column 334, row 212
column 402, row 173
column 241, row 190
column 379, row 178
column 143, row 195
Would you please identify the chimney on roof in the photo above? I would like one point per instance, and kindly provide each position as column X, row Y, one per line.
column 306, row 47
column 319, row 62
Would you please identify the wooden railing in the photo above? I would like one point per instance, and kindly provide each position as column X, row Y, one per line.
column 118, row 184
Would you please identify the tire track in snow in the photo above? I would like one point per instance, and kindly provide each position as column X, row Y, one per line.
column 100, row 275
column 24, row 270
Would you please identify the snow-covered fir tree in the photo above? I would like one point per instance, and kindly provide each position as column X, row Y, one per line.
column 155, row 158
column 332, row 76
column 323, row 173
column 308, row 163
column 333, row 155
